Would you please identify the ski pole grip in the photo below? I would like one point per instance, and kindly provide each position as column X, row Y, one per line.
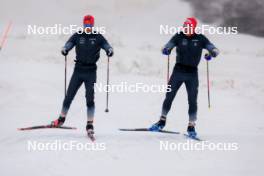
column 207, row 56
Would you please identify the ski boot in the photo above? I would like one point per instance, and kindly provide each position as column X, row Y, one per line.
column 59, row 122
column 191, row 130
column 90, row 130
column 159, row 125
column 89, row 127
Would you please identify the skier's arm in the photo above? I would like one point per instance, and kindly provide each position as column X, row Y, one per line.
column 107, row 47
column 69, row 45
column 166, row 50
column 213, row 51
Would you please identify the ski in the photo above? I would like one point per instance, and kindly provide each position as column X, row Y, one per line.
column 147, row 129
column 192, row 137
column 46, row 127
column 162, row 131
column 91, row 136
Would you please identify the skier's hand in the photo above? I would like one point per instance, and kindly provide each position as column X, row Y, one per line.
column 110, row 52
column 166, row 51
column 207, row 57
column 64, row 52
column 214, row 52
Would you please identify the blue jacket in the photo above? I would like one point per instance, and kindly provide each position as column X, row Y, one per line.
column 189, row 49
column 87, row 47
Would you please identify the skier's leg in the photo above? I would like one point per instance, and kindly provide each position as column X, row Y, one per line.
column 192, row 85
column 73, row 87
column 175, row 82
column 89, row 80
column 89, row 94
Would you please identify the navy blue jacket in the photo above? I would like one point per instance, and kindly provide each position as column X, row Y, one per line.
column 189, row 49
column 87, row 47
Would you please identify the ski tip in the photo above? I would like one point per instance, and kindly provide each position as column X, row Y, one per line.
column 74, row 128
column 22, row 129
column 65, row 127
column 193, row 137
column 122, row 129
column 91, row 137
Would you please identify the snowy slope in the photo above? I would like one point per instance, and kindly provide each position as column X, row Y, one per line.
column 31, row 91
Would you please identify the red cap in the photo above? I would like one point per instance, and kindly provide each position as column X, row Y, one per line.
column 191, row 21
column 88, row 20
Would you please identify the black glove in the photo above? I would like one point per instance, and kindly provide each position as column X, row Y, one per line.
column 64, row 52
column 110, row 52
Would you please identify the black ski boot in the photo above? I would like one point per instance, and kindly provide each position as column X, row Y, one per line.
column 59, row 122
column 159, row 125
column 90, row 130
column 89, row 127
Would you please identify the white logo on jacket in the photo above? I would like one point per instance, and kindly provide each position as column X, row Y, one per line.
column 195, row 42
column 92, row 40
column 82, row 40
column 184, row 42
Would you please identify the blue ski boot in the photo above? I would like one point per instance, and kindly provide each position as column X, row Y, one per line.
column 159, row 125
column 191, row 131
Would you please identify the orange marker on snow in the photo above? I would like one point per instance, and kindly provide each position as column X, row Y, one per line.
column 5, row 35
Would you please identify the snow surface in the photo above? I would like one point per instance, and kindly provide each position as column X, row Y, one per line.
column 31, row 91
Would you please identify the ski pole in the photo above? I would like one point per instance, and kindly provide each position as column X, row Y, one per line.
column 208, row 80
column 168, row 69
column 107, row 86
column 65, row 76
column 5, row 35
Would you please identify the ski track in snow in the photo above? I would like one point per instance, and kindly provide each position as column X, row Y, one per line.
column 31, row 91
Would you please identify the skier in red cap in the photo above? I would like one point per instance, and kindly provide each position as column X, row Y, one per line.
column 88, row 21
column 189, row 46
column 87, row 47
column 189, row 26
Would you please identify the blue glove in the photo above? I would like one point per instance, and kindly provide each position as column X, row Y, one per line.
column 207, row 57
column 166, row 51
